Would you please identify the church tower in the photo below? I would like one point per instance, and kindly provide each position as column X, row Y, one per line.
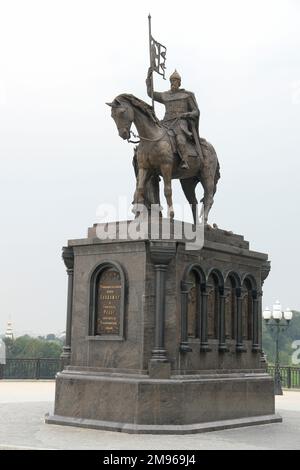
column 9, row 331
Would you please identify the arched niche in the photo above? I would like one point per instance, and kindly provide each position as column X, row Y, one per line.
column 248, row 294
column 214, row 289
column 107, row 301
column 192, row 287
column 194, row 304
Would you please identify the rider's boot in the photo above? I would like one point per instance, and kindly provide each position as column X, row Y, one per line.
column 184, row 158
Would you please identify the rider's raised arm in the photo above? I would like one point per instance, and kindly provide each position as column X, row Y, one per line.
column 156, row 95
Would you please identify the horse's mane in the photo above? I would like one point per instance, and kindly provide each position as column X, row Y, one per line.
column 140, row 104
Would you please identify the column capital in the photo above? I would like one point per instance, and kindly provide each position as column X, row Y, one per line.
column 254, row 295
column 222, row 291
column 161, row 253
column 203, row 288
column 265, row 270
column 68, row 258
column 185, row 286
column 161, row 267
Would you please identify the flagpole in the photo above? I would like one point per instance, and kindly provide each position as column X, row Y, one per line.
column 150, row 53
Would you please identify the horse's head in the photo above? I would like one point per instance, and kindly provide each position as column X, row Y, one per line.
column 123, row 115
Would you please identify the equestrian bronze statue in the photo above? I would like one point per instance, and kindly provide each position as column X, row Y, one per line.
column 171, row 148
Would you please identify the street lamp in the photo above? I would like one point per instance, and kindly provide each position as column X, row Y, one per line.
column 277, row 320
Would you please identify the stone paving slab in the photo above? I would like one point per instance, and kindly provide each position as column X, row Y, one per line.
column 14, row 391
column 24, row 404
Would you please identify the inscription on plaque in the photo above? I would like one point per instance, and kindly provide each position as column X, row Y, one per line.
column 109, row 303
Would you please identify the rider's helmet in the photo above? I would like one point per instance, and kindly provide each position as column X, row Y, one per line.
column 175, row 76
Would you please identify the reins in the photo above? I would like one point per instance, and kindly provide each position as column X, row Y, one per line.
column 136, row 136
column 144, row 138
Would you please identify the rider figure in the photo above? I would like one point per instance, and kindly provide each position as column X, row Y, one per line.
column 181, row 109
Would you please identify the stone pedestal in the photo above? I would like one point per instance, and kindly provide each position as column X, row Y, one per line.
column 163, row 339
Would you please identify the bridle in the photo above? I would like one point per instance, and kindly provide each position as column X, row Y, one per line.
column 136, row 136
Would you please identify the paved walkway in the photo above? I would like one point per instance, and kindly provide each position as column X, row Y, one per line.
column 24, row 404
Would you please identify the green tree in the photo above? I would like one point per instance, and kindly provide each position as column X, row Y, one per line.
column 26, row 346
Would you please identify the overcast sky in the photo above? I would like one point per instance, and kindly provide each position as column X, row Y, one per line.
column 61, row 156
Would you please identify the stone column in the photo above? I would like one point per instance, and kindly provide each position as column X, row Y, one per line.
column 185, row 288
column 161, row 254
column 239, row 327
column 222, row 343
column 265, row 270
column 68, row 258
column 255, row 340
column 259, row 318
column 204, row 347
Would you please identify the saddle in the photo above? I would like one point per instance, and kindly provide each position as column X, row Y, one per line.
column 190, row 144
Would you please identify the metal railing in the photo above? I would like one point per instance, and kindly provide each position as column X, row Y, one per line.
column 46, row 368
column 289, row 375
column 40, row 368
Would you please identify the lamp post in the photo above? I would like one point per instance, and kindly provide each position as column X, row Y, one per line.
column 277, row 320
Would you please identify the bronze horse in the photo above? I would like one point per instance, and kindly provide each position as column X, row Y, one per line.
column 155, row 157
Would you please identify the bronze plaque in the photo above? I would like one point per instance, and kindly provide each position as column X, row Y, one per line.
column 109, row 303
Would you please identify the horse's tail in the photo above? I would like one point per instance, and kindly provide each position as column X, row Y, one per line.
column 208, row 149
column 217, row 175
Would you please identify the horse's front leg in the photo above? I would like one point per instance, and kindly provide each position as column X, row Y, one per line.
column 139, row 199
column 166, row 171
